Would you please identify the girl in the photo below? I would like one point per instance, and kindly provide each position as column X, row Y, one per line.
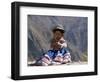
column 58, row 52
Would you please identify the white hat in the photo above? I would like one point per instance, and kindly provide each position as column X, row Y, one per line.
column 60, row 28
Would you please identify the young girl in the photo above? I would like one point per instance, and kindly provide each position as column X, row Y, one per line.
column 58, row 52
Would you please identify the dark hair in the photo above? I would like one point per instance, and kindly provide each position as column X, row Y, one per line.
column 54, row 30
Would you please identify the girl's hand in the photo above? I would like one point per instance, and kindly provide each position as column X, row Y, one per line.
column 58, row 59
column 46, row 60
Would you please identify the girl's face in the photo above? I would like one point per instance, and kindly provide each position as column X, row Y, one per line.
column 57, row 35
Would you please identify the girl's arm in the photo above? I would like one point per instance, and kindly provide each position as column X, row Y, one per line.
column 64, row 44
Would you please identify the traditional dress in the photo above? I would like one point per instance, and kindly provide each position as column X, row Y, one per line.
column 58, row 52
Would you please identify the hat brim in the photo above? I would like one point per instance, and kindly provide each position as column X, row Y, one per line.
column 61, row 30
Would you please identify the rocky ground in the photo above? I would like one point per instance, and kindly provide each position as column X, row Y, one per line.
column 56, row 63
